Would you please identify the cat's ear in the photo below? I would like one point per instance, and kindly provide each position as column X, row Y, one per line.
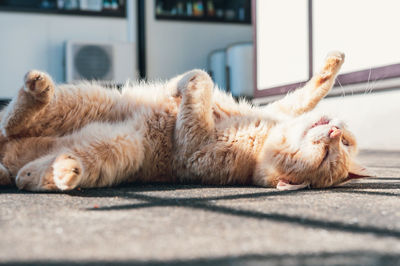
column 358, row 171
column 282, row 185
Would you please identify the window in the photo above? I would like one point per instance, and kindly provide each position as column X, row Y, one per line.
column 294, row 36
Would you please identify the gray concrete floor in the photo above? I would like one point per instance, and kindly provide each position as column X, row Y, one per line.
column 354, row 224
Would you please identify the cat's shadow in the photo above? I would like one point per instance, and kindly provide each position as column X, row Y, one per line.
column 121, row 190
column 147, row 196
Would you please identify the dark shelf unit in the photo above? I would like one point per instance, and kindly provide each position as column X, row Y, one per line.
column 4, row 102
column 31, row 7
column 217, row 11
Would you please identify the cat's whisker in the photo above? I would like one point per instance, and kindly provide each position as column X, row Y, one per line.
column 343, row 91
column 368, row 81
column 373, row 85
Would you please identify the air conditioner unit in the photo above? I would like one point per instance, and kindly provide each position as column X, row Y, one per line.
column 106, row 61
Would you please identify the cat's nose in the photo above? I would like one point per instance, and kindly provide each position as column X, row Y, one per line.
column 335, row 133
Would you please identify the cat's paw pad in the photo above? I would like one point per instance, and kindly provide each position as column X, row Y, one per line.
column 334, row 60
column 193, row 80
column 38, row 84
column 336, row 54
column 67, row 172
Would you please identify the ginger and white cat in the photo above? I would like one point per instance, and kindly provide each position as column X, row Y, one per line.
column 185, row 130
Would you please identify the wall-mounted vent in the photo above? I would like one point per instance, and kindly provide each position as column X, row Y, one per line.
column 115, row 62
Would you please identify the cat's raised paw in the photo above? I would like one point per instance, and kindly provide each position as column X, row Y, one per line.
column 336, row 54
column 194, row 80
column 39, row 85
column 67, row 172
column 334, row 61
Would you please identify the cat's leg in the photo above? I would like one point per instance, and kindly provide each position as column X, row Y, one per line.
column 306, row 98
column 195, row 123
column 99, row 155
column 31, row 99
column 18, row 152
column 5, row 176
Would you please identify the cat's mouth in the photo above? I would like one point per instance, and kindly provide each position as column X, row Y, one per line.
column 322, row 121
column 333, row 133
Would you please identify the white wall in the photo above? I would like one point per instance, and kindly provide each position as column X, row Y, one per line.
column 36, row 41
column 174, row 47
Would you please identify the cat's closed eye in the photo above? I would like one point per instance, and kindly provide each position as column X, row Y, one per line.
column 345, row 142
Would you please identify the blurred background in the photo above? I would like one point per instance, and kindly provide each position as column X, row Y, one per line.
column 165, row 37
column 258, row 49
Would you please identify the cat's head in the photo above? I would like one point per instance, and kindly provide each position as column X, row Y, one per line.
column 312, row 150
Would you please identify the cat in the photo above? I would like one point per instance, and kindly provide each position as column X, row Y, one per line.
column 184, row 130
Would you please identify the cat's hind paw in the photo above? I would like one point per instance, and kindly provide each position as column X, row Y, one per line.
column 194, row 80
column 39, row 85
column 49, row 174
column 36, row 175
column 67, row 172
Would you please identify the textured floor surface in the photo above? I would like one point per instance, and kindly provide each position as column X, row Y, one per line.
column 355, row 224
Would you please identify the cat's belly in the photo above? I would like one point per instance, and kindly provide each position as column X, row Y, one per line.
column 158, row 145
column 230, row 159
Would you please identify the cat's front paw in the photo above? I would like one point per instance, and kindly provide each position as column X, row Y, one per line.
column 67, row 172
column 39, row 85
column 194, row 80
column 333, row 61
column 335, row 55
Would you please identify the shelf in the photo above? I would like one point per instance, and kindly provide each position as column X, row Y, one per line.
column 217, row 11
column 116, row 14
column 200, row 19
column 4, row 102
column 33, row 7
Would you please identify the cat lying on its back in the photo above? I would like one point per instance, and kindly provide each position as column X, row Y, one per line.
column 60, row 138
